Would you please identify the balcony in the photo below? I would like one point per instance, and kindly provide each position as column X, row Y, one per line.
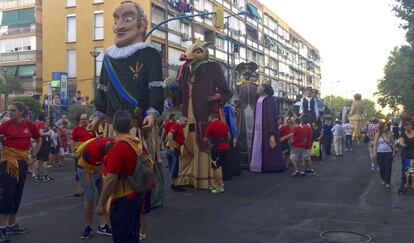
column 6, row 4
column 20, row 56
column 6, row 31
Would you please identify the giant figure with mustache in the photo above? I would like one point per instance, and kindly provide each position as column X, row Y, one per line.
column 131, row 79
column 204, row 91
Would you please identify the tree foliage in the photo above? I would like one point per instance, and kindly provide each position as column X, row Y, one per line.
column 31, row 103
column 396, row 88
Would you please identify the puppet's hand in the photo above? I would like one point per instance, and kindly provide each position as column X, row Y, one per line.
column 215, row 97
column 93, row 125
column 272, row 142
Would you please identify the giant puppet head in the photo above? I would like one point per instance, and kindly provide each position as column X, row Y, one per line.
column 130, row 23
column 196, row 55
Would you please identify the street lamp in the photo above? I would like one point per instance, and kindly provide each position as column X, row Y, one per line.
column 4, row 70
column 95, row 53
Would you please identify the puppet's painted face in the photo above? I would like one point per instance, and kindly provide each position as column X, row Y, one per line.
column 129, row 25
column 196, row 53
column 260, row 90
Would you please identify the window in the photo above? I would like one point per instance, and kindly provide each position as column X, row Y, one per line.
column 98, row 25
column 18, row 44
column 18, row 17
column 71, row 28
column 174, row 56
column 220, row 42
column 174, row 25
column 70, row 3
column 99, row 60
column 71, row 63
column 157, row 15
column 98, row 1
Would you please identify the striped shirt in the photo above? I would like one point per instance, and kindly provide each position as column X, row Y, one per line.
column 372, row 130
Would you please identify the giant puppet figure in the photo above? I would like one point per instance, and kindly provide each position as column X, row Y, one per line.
column 309, row 110
column 204, row 91
column 131, row 79
column 247, row 91
column 266, row 149
column 357, row 118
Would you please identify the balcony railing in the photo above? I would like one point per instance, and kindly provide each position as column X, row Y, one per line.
column 20, row 56
column 15, row 3
column 10, row 30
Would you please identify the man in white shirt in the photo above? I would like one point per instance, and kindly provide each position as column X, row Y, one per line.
column 338, row 134
column 348, row 129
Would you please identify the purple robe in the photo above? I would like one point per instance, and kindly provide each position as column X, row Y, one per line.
column 264, row 158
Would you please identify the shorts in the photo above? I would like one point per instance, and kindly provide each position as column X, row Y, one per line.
column 55, row 151
column 217, row 158
column 61, row 151
column 11, row 190
column 307, row 154
column 91, row 189
column 297, row 154
column 44, row 152
column 285, row 147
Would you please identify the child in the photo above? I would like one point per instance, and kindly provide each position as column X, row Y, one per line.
column 409, row 175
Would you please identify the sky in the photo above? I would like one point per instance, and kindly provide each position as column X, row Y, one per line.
column 354, row 38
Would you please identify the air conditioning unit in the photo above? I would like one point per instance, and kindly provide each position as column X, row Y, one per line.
column 185, row 37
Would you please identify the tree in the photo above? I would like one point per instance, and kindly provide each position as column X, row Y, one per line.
column 334, row 103
column 10, row 86
column 31, row 103
column 397, row 86
column 370, row 111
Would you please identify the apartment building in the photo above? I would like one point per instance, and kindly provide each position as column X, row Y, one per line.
column 285, row 59
column 21, row 46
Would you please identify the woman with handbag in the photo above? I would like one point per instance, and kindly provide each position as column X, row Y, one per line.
column 385, row 152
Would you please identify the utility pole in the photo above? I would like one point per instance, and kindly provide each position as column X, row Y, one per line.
column 4, row 70
column 95, row 53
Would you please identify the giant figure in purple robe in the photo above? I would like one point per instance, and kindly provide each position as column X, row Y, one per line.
column 266, row 150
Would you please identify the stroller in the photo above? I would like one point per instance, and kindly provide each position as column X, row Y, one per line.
column 404, row 168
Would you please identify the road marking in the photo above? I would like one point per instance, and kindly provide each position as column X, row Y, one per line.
column 28, row 204
column 46, row 212
column 361, row 157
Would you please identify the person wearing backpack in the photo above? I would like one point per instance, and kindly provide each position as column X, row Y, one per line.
column 127, row 174
column 217, row 135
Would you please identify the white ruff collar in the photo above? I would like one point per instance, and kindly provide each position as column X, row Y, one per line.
column 126, row 51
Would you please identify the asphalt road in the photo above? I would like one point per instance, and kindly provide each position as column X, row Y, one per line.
column 256, row 208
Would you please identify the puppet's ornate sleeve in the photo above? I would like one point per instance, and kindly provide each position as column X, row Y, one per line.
column 155, row 84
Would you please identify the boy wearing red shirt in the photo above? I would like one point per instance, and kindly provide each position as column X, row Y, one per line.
column 119, row 163
column 217, row 134
column 308, row 146
column 298, row 148
column 79, row 135
column 286, row 134
column 175, row 141
column 90, row 158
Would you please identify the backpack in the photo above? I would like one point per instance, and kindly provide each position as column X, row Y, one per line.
column 142, row 179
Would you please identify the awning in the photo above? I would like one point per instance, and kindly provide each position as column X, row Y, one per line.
column 220, row 36
column 26, row 71
column 253, row 12
column 271, row 41
column 18, row 17
column 11, row 71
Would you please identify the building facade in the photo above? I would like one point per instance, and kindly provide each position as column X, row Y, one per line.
column 21, row 46
column 286, row 60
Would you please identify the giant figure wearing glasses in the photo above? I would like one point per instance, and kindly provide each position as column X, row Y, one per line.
column 131, row 79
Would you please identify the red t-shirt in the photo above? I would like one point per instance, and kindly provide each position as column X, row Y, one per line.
column 178, row 133
column 40, row 125
column 285, row 130
column 218, row 130
column 94, row 152
column 308, row 133
column 63, row 136
column 167, row 126
column 17, row 135
column 299, row 137
column 120, row 159
column 80, row 134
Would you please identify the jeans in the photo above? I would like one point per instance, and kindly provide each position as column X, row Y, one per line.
column 174, row 156
column 125, row 218
column 338, row 144
column 385, row 163
column 348, row 141
column 327, row 140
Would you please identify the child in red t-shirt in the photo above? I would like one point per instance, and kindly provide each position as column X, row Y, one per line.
column 298, row 148
column 217, row 134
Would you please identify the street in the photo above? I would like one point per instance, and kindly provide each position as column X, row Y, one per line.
column 256, row 208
